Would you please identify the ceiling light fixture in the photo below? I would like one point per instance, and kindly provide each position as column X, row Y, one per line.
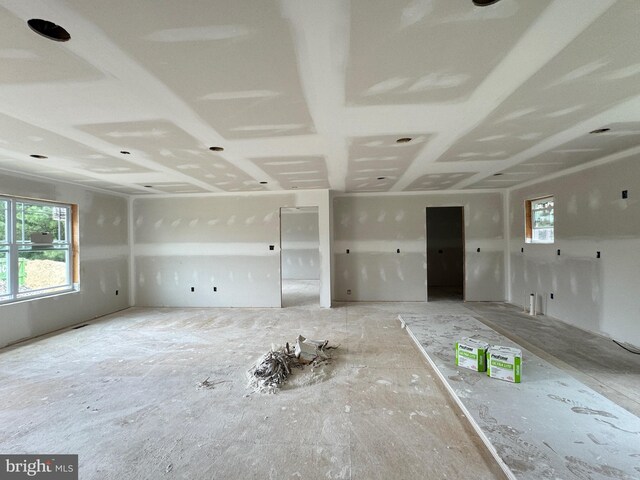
column 38, row 156
column 484, row 3
column 382, row 178
column 404, row 140
column 497, row 174
column 148, row 186
column 124, row 152
column 600, row 130
column 49, row 30
column 216, row 149
column 263, row 183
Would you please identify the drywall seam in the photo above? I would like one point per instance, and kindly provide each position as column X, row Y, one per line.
column 579, row 168
column 99, row 252
column 298, row 192
column 418, row 194
column 71, row 184
column 195, row 249
column 503, row 466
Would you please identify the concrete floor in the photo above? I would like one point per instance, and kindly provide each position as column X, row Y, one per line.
column 551, row 426
column 592, row 359
column 122, row 393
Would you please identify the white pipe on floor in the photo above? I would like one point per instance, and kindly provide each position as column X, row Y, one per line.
column 532, row 304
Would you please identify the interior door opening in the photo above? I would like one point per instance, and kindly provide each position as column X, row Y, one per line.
column 299, row 256
column 445, row 253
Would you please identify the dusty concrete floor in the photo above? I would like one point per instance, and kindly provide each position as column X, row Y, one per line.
column 593, row 359
column 122, row 394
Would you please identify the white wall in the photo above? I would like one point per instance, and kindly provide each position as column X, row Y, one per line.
column 600, row 295
column 300, row 242
column 219, row 241
column 104, row 262
column 373, row 226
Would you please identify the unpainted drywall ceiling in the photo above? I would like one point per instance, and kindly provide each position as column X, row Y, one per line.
column 301, row 94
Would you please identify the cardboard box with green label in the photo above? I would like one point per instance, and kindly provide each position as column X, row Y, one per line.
column 471, row 354
column 504, row 363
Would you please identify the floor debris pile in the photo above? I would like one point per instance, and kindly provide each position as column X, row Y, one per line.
column 271, row 370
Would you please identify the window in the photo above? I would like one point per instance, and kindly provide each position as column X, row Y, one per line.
column 539, row 225
column 36, row 249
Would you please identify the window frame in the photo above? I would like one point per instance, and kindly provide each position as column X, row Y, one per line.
column 529, row 220
column 15, row 247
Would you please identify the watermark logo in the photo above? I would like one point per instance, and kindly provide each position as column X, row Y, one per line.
column 45, row 467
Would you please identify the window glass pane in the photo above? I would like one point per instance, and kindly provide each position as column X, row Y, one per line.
column 543, row 203
column 4, row 273
column 542, row 218
column 4, row 211
column 38, row 219
column 543, row 235
column 42, row 269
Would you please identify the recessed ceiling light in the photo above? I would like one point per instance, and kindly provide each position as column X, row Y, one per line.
column 497, row 174
column 600, row 130
column 484, row 3
column 404, row 140
column 49, row 30
column 263, row 183
column 382, row 178
column 216, row 149
column 124, row 152
column 148, row 186
column 38, row 156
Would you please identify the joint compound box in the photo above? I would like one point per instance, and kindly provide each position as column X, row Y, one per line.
column 471, row 354
column 505, row 363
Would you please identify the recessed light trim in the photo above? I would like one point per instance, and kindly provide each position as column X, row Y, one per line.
column 148, row 186
column 216, row 149
column 599, row 130
column 263, row 183
column 382, row 178
column 38, row 156
column 124, row 152
column 404, row 140
column 484, row 3
column 49, row 30
column 498, row 174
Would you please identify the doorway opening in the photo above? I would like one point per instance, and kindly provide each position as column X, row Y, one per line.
column 445, row 253
column 299, row 256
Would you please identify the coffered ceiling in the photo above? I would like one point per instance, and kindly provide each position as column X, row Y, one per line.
column 307, row 94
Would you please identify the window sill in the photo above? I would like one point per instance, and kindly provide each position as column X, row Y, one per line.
column 13, row 301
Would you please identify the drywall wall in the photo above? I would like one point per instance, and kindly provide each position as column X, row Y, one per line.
column 104, row 262
column 372, row 228
column 597, row 294
column 445, row 246
column 221, row 241
column 300, row 242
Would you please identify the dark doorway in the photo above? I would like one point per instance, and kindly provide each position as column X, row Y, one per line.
column 445, row 253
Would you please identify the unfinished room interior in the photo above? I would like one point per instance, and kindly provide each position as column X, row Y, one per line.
column 338, row 239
